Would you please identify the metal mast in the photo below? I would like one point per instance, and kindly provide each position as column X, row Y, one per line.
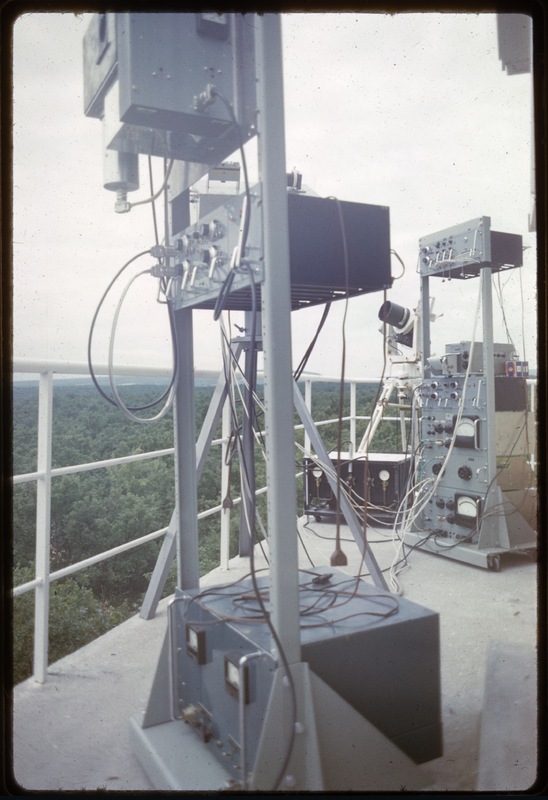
column 282, row 503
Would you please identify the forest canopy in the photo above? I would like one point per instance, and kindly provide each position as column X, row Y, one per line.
column 97, row 510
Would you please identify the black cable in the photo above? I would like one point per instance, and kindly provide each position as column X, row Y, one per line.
column 338, row 557
column 274, row 633
column 217, row 312
column 304, row 360
column 304, row 548
column 154, row 219
column 227, row 285
column 329, row 538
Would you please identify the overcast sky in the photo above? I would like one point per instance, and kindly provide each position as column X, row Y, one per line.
column 409, row 111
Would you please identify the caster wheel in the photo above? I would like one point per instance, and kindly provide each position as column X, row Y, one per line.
column 493, row 563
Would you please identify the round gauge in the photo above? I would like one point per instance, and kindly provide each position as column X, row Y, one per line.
column 465, row 428
column 384, row 475
column 467, row 507
column 317, row 472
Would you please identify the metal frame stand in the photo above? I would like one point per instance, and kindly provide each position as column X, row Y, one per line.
column 503, row 528
column 201, row 450
column 168, row 550
column 158, row 740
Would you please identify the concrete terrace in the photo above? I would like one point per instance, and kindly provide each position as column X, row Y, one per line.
column 73, row 732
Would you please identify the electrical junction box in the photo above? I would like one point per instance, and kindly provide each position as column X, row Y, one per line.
column 463, row 250
column 385, row 476
column 321, row 231
column 458, row 356
column 380, row 652
column 150, row 77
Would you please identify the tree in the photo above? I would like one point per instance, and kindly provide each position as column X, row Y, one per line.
column 75, row 619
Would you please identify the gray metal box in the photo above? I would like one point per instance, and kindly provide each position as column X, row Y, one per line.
column 502, row 352
column 380, row 652
column 167, row 64
column 337, row 249
column 384, row 497
column 463, row 250
column 152, row 77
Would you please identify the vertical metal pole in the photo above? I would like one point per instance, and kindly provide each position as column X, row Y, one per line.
column 353, row 415
column 282, row 501
column 225, row 479
column 43, row 526
column 247, row 456
column 188, row 564
column 308, row 404
column 493, row 530
column 425, row 323
column 489, row 372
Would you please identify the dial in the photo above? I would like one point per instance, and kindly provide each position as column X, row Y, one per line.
column 384, row 475
column 465, row 428
column 467, row 507
column 467, row 432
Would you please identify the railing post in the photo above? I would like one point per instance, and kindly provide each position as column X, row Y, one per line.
column 532, row 454
column 353, row 415
column 43, row 526
column 308, row 404
column 225, row 487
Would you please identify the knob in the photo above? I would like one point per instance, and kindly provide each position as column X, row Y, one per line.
column 465, row 473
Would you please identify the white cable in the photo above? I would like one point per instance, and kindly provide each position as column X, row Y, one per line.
column 119, row 402
column 158, row 193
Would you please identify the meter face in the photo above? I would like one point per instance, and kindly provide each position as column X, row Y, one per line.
column 468, row 510
column 465, row 428
column 466, row 507
column 467, row 432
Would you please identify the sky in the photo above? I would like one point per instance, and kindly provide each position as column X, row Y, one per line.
column 409, row 111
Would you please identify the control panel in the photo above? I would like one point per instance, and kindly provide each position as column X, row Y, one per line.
column 382, row 478
column 462, row 250
column 337, row 249
column 454, row 453
column 207, row 253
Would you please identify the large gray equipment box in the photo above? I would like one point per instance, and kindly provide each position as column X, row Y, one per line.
column 152, row 77
column 380, row 652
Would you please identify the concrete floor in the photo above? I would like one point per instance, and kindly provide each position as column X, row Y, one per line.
column 72, row 732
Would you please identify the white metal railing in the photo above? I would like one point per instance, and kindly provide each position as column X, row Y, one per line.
column 45, row 473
